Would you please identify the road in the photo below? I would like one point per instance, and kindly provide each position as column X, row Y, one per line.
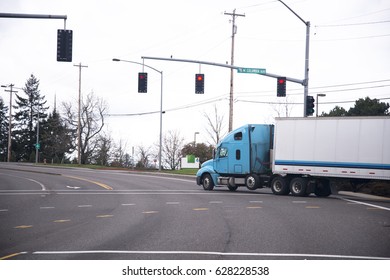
column 71, row 213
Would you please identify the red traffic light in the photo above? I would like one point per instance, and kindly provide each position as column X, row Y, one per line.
column 281, row 87
column 199, row 83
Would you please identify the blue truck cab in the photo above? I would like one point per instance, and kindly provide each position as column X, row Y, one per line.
column 242, row 158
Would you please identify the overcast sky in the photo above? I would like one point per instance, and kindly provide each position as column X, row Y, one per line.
column 349, row 57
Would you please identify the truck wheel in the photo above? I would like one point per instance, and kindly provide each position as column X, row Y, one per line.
column 252, row 182
column 279, row 186
column 208, row 183
column 323, row 188
column 298, row 186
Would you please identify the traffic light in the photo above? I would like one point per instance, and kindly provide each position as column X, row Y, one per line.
column 281, row 87
column 64, row 45
column 309, row 105
column 199, row 83
column 142, row 82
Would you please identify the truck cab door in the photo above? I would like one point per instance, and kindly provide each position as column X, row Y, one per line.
column 221, row 162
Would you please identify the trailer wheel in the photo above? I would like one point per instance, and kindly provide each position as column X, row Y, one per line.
column 323, row 188
column 279, row 186
column 298, row 186
column 252, row 182
column 207, row 182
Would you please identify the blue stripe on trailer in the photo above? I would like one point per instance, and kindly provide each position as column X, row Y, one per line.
column 334, row 164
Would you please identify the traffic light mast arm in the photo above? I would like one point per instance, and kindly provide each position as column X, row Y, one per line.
column 36, row 16
column 298, row 81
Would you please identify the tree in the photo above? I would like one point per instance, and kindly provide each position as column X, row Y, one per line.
column 363, row 107
column 30, row 111
column 119, row 154
column 102, row 153
column 3, row 131
column 144, row 155
column 171, row 149
column 215, row 126
column 200, row 150
column 335, row 112
column 92, row 122
column 56, row 139
column 369, row 107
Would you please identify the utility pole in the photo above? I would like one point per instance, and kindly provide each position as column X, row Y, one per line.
column 9, row 120
column 79, row 116
column 234, row 31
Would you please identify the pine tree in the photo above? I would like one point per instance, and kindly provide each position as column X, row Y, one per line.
column 30, row 111
column 56, row 139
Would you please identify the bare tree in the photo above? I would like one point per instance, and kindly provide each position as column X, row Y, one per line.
column 144, row 155
column 92, row 109
column 119, row 154
column 215, row 126
column 171, row 149
column 283, row 107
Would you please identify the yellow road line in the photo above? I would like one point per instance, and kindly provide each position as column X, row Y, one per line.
column 23, row 226
column 107, row 187
column 200, row 209
column 12, row 255
column 312, row 207
column 150, row 212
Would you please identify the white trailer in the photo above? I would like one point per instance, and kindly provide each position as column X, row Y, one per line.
column 309, row 152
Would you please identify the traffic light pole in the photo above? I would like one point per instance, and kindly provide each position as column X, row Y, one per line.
column 306, row 80
column 161, row 104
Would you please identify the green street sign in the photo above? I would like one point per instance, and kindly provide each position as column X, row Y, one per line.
column 260, row 71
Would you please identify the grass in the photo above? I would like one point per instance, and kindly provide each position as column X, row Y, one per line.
column 184, row 171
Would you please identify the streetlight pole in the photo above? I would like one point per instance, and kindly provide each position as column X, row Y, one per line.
column 9, row 120
column 195, row 133
column 161, row 105
column 306, row 80
column 319, row 95
column 79, row 116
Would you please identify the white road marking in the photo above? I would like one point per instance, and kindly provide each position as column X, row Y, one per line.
column 367, row 204
column 172, row 203
column 3, row 210
column 46, row 207
column 215, row 202
column 321, row 256
column 128, row 204
column 39, row 183
column 74, row 188
column 84, row 206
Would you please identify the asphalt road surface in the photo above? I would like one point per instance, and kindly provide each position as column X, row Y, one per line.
column 71, row 213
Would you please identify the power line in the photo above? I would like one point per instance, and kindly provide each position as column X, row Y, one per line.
column 300, row 103
column 354, row 24
column 225, row 96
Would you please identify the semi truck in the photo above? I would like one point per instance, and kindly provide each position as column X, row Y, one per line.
column 300, row 155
